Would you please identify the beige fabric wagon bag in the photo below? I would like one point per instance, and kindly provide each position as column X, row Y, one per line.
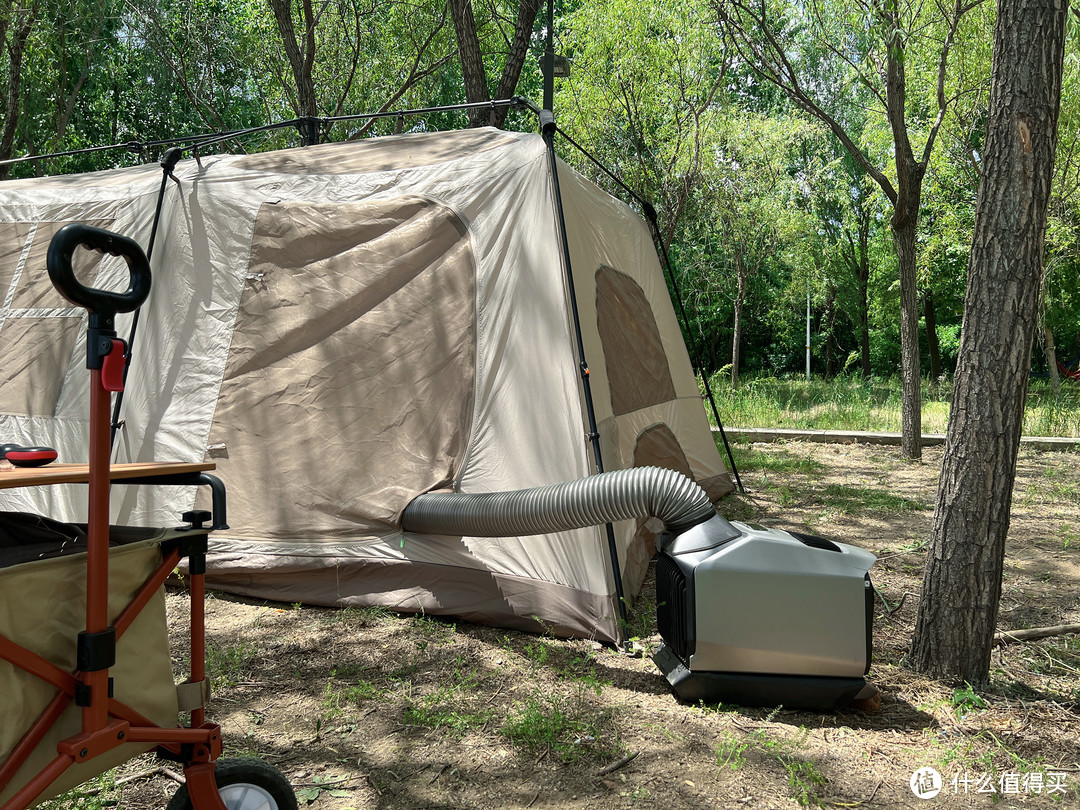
column 42, row 608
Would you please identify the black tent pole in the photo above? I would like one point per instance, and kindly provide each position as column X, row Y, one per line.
column 547, row 129
column 168, row 163
column 547, row 123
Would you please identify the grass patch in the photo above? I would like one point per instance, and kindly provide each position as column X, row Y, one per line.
column 358, row 617
column 781, row 462
column 94, row 794
column 1058, row 484
column 851, row 402
column 231, row 663
column 570, row 726
column 984, row 760
column 341, row 695
column 578, row 666
column 850, row 500
column 804, row 779
column 457, row 704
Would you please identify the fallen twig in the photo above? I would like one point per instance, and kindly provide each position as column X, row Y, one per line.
column 867, row 800
column 374, row 787
column 1006, row 636
column 159, row 771
column 614, row 766
column 900, row 604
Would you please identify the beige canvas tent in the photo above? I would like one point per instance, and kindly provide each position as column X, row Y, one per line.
column 343, row 327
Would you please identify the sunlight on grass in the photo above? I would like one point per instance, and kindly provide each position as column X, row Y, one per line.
column 852, row 500
column 855, row 403
column 751, row 458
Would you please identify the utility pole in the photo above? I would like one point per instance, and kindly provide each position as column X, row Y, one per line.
column 808, row 329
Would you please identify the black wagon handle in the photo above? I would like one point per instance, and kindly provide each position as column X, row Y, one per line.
column 101, row 302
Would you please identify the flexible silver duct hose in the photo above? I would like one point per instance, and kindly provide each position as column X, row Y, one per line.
column 638, row 493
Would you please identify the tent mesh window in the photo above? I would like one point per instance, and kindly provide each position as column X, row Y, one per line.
column 637, row 366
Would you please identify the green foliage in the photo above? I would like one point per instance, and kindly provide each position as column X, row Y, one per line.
column 965, row 701
column 569, row 725
column 94, row 794
column 730, row 752
column 745, row 183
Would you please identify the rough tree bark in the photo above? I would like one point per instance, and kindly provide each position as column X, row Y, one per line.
column 958, row 607
column 905, row 221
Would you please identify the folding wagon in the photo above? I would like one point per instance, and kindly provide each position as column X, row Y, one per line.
column 86, row 678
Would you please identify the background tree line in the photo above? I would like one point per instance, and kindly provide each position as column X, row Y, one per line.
column 769, row 184
column 822, row 151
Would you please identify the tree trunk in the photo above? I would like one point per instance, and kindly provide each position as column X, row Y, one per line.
column 910, row 372
column 736, row 337
column 863, row 276
column 1051, row 361
column 301, row 59
column 905, row 219
column 931, row 335
column 515, row 59
column 958, row 607
column 472, row 59
column 830, row 327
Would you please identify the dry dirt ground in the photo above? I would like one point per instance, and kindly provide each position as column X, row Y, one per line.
column 366, row 709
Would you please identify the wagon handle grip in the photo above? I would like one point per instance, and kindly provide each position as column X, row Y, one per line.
column 98, row 302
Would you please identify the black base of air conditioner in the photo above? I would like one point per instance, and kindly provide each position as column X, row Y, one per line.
column 753, row 689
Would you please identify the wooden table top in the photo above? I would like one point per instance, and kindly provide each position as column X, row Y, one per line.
column 80, row 473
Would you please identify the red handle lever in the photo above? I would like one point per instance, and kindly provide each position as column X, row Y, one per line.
column 112, row 366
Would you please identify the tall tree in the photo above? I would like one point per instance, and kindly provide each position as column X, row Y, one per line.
column 962, row 585
column 16, row 25
column 846, row 215
column 873, row 47
column 516, row 46
column 300, row 51
column 757, row 201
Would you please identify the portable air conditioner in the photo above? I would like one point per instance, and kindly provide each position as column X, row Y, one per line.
column 763, row 617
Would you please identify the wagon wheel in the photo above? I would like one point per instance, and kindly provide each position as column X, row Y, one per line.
column 245, row 784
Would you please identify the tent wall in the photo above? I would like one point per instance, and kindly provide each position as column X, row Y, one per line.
column 345, row 326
